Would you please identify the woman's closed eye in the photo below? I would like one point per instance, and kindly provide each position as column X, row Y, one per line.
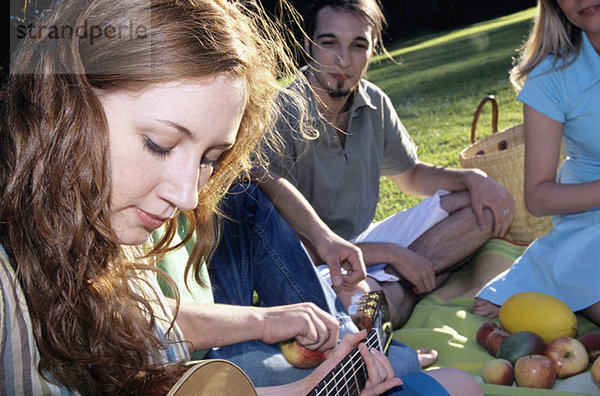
column 156, row 149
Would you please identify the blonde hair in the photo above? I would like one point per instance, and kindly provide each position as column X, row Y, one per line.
column 552, row 34
column 55, row 172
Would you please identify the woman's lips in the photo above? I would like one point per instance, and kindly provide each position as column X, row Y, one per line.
column 589, row 10
column 148, row 220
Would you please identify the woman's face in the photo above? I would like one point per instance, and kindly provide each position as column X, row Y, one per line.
column 585, row 15
column 164, row 144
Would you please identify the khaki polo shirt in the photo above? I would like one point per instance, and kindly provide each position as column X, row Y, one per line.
column 342, row 183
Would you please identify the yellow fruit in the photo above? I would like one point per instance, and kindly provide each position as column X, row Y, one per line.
column 540, row 313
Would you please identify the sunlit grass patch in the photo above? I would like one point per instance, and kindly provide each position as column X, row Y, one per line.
column 440, row 82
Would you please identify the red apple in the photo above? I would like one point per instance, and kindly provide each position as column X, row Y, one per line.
column 498, row 372
column 299, row 356
column 483, row 331
column 595, row 372
column 591, row 342
column 535, row 371
column 520, row 344
column 494, row 340
column 568, row 356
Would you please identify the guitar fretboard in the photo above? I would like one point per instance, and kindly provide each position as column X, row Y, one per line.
column 350, row 375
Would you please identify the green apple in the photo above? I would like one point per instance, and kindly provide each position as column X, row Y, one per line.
column 520, row 344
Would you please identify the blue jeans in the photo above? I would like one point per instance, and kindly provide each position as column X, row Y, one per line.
column 259, row 251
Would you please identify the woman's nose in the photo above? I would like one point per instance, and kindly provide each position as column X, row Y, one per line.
column 184, row 185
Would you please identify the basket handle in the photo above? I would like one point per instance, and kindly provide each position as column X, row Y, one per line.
column 492, row 99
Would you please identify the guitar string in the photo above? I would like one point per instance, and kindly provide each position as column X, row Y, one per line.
column 352, row 384
column 334, row 380
column 353, row 361
column 351, row 357
column 327, row 386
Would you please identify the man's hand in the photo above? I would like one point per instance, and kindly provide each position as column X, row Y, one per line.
column 312, row 327
column 413, row 267
column 424, row 179
column 338, row 253
column 486, row 193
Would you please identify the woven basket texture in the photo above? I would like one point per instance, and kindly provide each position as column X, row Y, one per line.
column 502, row 156
column 506, row 167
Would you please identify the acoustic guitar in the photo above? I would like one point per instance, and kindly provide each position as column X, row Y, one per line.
column 220, row 377
column 213, row 377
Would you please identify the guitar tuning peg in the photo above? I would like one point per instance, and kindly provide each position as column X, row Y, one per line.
column 355, row 300
column 371, row 303
column 368, row 311
column 352, row 309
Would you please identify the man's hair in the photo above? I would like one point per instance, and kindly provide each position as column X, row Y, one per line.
column 369, row 10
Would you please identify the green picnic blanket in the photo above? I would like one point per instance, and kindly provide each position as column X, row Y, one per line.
column 450, row 327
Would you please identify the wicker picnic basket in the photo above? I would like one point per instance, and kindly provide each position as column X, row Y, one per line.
column 502, row 155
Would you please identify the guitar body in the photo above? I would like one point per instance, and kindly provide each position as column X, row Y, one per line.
column 213, row 377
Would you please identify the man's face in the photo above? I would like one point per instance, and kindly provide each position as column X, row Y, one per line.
column 341, row 52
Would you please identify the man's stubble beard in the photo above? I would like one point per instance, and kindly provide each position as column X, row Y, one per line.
column 337, row 92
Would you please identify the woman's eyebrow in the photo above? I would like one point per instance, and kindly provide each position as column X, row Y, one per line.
column 180, row 128
column 225, row 145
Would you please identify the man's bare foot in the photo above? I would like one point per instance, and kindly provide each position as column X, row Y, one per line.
column 485, row 308
column 426, row 356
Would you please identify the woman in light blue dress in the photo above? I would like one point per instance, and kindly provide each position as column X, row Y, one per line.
column 560, row 68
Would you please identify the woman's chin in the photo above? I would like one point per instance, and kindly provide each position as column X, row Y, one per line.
column 133, row 237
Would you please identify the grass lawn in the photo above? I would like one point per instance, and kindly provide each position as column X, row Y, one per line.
column 438, row 85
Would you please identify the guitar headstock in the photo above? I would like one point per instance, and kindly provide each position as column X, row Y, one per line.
column 374, row 313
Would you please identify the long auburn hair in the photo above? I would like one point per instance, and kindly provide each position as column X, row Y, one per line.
column 552, row 34
column 93, row 331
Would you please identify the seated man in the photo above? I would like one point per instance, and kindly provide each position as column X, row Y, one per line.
column 360, row 138
column 259, row 251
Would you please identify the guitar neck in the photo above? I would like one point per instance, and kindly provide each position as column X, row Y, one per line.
column 350, row 375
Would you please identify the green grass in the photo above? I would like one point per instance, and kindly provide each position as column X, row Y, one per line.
column 439, row 84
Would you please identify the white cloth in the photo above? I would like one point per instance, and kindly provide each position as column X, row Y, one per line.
column 402, row 228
